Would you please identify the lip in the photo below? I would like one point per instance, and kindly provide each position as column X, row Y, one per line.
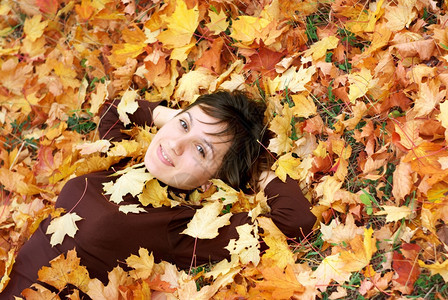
column 160, row 153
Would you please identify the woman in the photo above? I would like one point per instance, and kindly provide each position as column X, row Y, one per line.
column 215, row 137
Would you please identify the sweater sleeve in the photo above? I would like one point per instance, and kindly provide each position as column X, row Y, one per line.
column 290, row 210
column 110, row 125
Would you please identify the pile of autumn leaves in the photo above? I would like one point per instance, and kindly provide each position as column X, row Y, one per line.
column 383, row 64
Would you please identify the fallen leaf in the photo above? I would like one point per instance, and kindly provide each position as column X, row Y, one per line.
column 61, row 226
column 65, row 270
column 206, row 221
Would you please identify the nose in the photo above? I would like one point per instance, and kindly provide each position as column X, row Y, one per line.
column 177, row 145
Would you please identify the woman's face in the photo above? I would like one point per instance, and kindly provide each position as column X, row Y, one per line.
column 184, row 154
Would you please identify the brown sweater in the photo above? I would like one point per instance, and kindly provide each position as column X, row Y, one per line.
column 106, row 237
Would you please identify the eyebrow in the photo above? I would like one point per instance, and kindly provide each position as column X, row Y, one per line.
column 210, row 145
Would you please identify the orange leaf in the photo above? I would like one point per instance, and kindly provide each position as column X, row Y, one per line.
column 281, row 283
column 65, row 270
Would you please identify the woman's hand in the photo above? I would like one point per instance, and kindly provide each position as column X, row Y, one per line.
column 162, row 115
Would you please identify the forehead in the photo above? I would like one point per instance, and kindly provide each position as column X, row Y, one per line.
column 199, row 120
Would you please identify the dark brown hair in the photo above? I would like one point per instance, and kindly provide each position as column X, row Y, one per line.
column 244, row 120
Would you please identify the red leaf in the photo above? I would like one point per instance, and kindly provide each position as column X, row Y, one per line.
column 264, row 61
column 48, row 6
column 407, row 268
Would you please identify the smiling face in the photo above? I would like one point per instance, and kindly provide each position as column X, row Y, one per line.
column 184, row 153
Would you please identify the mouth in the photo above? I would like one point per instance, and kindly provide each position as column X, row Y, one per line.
column 164, row 158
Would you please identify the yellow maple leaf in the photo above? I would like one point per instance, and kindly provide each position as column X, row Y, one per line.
column 131, row 208
column 428, row 97
column 192, row 82
column 132, row 181
column 360, row 83
column 98, row 97
column 319, row 48
column 327, row 188
column 117, row 277
column 127, row 105
column 142, row 264
column 246, row 247
column 206, row 221
column 287, row 165
column 61, row 226
column 437, row 268
column 181, row 26
column 303, row 106
column 281, row 126
column 125, row 148
column 65, row 270
column 279, row 251
column 154, row 194
column 400, row 16
column 295, row 81
column 394, row 213
column 218, row 22
column 34, row 28
column 97, row 146
column 337, row 232
column 247, row 28
column 443, row 116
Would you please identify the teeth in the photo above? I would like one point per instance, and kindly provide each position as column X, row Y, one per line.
column 166, row 157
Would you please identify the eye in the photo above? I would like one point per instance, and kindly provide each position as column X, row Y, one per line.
column 200, row 150
column 183, row 124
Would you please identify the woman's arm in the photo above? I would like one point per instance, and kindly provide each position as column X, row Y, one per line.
column 110, row 126
column 290, row 210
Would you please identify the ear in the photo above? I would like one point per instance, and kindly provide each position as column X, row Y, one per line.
column 206, row 186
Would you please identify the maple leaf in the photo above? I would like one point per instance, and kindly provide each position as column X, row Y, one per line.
column 154, row 194
column 247, row 28
column 246, row 247
column 132, row 181
column 40, row 293
column 437, row 268
column 402, row 181
column 443, row 116
column 282, row 283
column 281, row 126
column 34, row 28
column 65, row 270
column 181, row 26
column 142, row 264
column 218, row 22
column 400, row 16
column 429, row 96
column 264, row 61
column 131, row 208
column 127, row 105
column 286, row 165
column 98, row 146
column 320, row 48
column 117, row 277
column 406, row 267
column 360, row 83
column 61, row 226
column 206, row 221
column 394, row 213
column 303, row 106
column 337, row 232
column 295, row 81
column 192, row 82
